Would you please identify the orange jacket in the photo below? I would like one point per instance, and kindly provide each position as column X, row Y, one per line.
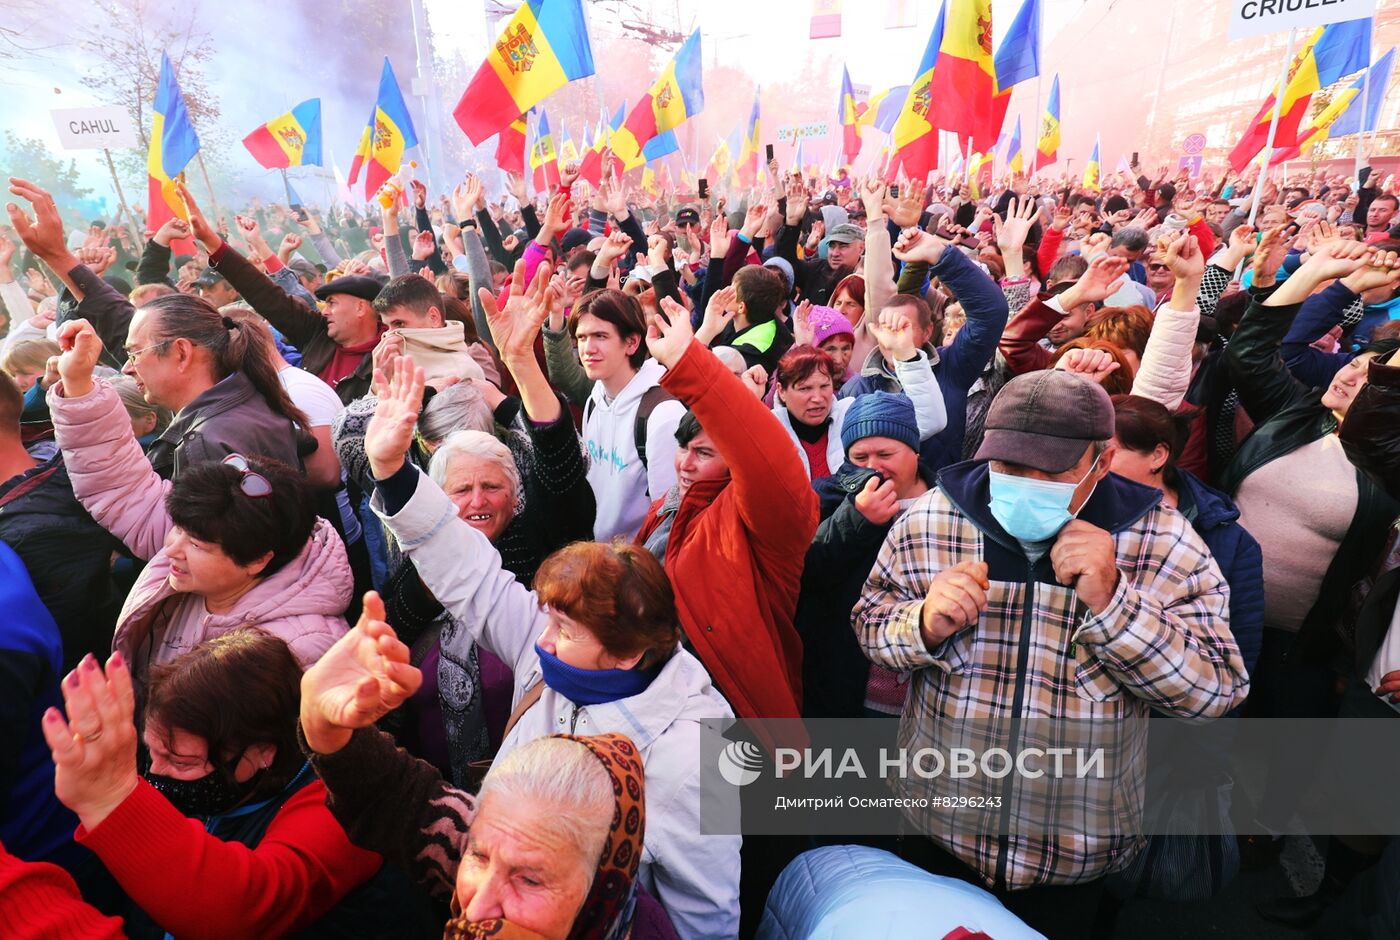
column 737, row 546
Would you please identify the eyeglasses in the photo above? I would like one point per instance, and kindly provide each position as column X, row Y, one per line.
column 1158, row 267
column 132, row 354
column 252, row 483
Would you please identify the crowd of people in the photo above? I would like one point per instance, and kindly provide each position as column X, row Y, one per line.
column 375, row 574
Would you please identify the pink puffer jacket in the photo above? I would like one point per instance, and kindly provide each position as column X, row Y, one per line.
column 302, row 602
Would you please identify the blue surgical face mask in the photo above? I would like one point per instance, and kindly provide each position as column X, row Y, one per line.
column 1033, row 510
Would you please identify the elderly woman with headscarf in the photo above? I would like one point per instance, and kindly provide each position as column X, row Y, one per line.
column 551, row 847
column 529, row 495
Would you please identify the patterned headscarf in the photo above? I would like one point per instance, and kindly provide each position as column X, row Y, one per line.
column 606, row 913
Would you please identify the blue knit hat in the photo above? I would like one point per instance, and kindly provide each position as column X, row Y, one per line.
column 881, row 414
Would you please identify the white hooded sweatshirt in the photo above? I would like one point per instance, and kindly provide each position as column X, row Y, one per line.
column 623, row 487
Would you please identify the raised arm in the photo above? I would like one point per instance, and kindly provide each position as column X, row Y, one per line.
column 775, row 499
column 1165, row 372
column 455, row 561
column 111, row 476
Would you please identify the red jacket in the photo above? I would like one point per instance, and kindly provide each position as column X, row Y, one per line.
column 1020, row 341
column 39, row 901
column 737, row 547
column 189, row 881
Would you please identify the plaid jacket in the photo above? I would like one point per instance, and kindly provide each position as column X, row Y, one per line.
column 1039, row 670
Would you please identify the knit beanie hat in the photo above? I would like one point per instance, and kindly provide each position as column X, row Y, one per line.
column 881, row 414
column 828, row 322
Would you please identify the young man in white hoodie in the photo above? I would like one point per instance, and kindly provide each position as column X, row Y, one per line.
column 629, row 422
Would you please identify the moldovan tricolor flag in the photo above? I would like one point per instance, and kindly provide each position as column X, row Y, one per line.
column 746, row 168
column 591, row 168
column 846, row 112
column 387, row 135
column 568, row 152
column 544, row 159
column 677, row 95
column 1014, row 161
column 294, row 139
column 914, row 136
column 1048, row 147
column 543, row 47
column 510, row 147
column 1091, row 169
column 1329, row 54
column 1345, row 103
column 173, row 145
column 964, row 77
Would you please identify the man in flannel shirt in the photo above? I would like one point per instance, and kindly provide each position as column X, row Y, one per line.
column 1038, row 599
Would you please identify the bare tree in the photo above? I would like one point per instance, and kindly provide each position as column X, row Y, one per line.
column 128, row 42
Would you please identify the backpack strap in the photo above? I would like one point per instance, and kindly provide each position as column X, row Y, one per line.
column 650, row 399
column 531, row 696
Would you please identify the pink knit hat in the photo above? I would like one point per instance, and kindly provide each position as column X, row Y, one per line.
column 828, row 322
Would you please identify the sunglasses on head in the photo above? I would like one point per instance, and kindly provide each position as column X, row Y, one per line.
column 251, row 482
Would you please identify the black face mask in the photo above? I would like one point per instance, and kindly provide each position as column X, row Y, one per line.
column 211, row 795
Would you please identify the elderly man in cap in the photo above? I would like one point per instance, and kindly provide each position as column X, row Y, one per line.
column 845, row 243
column 1037, row 593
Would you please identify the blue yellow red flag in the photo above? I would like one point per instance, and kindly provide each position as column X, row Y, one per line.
column 173, row 145
column 294, row 139
column 386, row 136
column 543, row 47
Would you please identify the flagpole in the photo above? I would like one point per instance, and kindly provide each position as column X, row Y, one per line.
column 1365, row 111
column 204, row 172
column 121, row 197
column 1273, row 124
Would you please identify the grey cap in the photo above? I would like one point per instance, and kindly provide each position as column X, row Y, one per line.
column 1045, row 420
column 303, row 268
column 845, row 233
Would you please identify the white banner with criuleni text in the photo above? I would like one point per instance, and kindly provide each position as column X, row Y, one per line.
column 1259, row 17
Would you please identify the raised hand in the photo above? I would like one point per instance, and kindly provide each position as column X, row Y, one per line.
column 796, row 200
column 43, row 234
column 568, row 175
column 515, row 326
column 420, row 194
column 669, row 334
column 872, row 195
column 290, row 243
column 170, row 230
column 802, row 333
column 1020, row 219
column 614, row 247
column 81, row 350
column 515, row 185
column 1104, row 276
column 755, row 379
column 719, row 237
column 917, row 245
column 423, row 246
column 613, row 194
column 754, row 219
column 955, row 601
column 466, row 198
column 365, row 675
column 390, row 430
column 894, row 331
column 719, row 313
column 1185, row 258
column 1092, row 364
column 1382, row 269
column 97, row 259
column 94, row 748
column 203, row 232
column 907, row 209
